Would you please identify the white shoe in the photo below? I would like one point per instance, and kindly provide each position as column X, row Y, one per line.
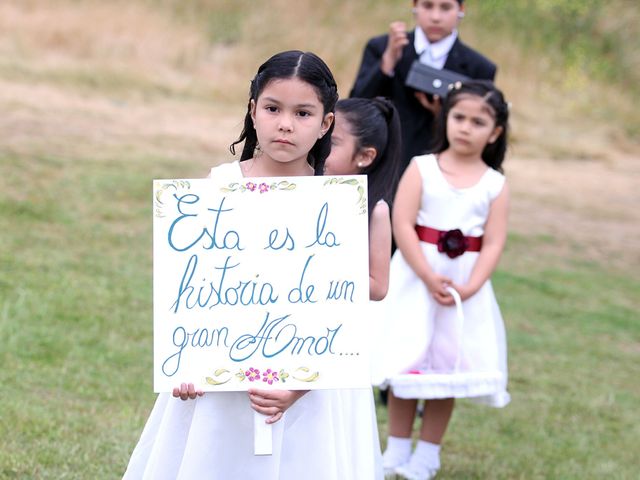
column 390, row 471
column 410, row 474
column 390, row 464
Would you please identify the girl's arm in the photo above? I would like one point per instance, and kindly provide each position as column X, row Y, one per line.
column 405, row 211
column 379, row 251
column 495, row 237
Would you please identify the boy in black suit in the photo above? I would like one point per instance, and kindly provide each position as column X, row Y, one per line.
column 387, row 59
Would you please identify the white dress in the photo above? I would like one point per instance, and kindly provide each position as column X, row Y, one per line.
column 325, row 435
column 426, row 350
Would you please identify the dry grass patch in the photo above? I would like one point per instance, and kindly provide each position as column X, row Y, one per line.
column 586, row 209
column 118, row 32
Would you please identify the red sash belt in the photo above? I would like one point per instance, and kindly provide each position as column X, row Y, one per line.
column 451, row 242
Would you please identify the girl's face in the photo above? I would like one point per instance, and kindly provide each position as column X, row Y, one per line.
column 342, row 160
column 289, row 118
column 471, row 126
column 437, row 18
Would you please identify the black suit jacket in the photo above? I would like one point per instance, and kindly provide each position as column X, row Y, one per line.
column 417, row 122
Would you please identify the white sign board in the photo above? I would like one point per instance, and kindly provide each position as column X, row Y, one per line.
column 262, row 283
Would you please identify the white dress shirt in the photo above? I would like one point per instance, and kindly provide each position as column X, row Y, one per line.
column 433, row 54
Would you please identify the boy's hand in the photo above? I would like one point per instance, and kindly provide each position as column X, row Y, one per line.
column 433, row 106
column 397, row 40
column 187, row 391
column 273, row 403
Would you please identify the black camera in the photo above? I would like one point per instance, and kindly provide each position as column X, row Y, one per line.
column 431, row 80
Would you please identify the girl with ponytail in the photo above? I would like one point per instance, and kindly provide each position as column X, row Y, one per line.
column 366, row 140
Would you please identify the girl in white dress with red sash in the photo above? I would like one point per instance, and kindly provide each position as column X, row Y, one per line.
column 442, row 329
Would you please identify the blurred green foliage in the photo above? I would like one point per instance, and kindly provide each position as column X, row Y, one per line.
column 599, row 39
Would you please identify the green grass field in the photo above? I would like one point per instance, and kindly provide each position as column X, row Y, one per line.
column 75, row 325
column 78, row 152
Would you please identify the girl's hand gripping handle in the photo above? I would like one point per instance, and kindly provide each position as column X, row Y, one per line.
column 273, row 403
column 438, row 286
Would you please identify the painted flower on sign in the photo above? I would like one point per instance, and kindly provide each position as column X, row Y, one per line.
column 223, row 375
column 282, row 185
column 252, row 374
column 270, row 376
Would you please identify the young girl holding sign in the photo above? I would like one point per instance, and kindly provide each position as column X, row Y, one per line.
column 325, row 434
column 445, row 337
column 366, row 140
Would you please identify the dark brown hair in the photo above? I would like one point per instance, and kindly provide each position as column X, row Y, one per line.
column 309, row 68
